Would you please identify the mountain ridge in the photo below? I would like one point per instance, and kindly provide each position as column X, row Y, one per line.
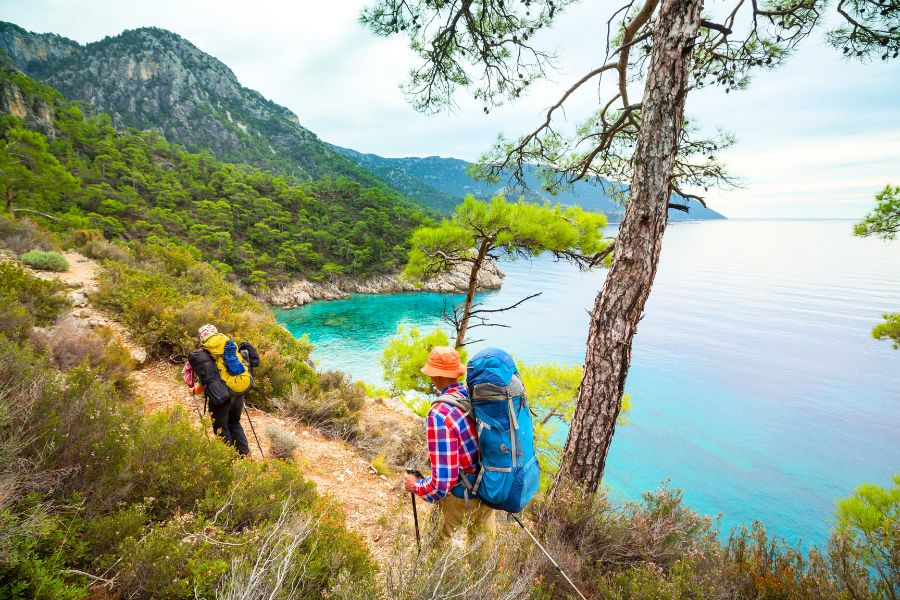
column 449, row 177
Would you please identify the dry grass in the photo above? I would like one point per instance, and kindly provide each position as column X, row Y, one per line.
column 282, row 442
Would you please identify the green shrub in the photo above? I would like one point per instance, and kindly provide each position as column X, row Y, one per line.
column 32, row 563
column 178, row 559
column 333, row 403
column 79, row 431
column 406, row 353
column 103, row 535
column 45, row 261
column 26, row 301
column 177, row 466
column 257, row 493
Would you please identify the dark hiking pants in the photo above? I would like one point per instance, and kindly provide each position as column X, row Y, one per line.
column 226, row 420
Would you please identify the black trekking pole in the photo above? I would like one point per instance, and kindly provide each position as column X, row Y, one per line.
column 412, row 497
column 253, row 429
column 246, row 356
column 197, row 406
column 550, row 558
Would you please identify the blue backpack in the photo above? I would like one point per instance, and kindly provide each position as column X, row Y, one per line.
column 509, row 474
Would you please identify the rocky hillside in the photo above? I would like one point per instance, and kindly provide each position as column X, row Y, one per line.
column 150, row 78
column 450, row 182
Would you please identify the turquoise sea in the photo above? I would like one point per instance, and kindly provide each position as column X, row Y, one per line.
column 756, row 386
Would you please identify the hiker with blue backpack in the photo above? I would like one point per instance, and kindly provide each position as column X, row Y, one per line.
column 452, row 447
column 481, row 444
column 480, row 440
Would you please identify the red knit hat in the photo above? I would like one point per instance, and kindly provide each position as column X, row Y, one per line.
column 444, row 362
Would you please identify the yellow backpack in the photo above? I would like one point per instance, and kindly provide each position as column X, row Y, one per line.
column 228, row 361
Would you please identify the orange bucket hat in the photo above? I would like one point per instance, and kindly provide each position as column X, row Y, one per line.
column 444, row 362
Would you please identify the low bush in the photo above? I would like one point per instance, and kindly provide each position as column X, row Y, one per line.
column 93, row 245
column 72, row 343
column 179, row 558
column 45, row 261
column 658, row 548
column 333, row 403
column 26, row 301
column 282, row 442
column 21, row 235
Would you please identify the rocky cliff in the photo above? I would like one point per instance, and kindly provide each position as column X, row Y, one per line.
column 298, row 293
column 34, row 111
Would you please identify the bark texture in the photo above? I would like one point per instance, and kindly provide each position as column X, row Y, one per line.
column 620, row 304
column 470, row 292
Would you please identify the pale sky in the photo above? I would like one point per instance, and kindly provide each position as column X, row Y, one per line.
column 816, row 138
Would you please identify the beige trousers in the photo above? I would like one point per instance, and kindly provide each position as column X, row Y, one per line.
column 477, row 517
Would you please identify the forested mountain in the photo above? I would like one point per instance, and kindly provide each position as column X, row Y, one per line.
column 450, row 182
column 150, row 78
column 263, row 228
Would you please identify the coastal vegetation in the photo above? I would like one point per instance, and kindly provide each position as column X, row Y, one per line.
column 95, row 492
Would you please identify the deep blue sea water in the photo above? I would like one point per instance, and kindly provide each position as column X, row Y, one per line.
column 756, row 386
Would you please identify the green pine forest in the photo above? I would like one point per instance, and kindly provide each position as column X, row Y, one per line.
column 253, row 225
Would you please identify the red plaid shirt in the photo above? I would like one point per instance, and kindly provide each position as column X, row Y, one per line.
column 452, row 445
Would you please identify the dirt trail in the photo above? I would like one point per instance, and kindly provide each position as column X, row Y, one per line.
column 375, row 506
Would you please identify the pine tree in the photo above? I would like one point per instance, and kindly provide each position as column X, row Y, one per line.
column 480, row 231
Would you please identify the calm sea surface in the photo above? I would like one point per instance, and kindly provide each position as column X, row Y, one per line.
column 756, row 386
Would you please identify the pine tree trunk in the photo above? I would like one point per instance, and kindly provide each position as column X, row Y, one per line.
column 470, row 293
column 620, row 303
column 9, row 199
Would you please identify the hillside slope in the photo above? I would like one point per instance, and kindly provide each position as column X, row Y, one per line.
column 261, row 228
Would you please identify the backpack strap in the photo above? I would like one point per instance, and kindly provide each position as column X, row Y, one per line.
column 467, row 488
column 463, row 404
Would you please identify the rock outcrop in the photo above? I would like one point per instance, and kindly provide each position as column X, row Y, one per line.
column 35, row 112
column 302, row 292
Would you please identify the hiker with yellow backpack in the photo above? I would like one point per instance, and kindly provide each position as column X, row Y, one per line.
column 221, row 370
